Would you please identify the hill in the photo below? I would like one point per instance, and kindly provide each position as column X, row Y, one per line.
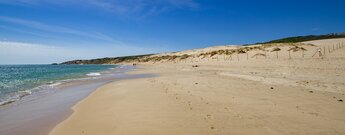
column 113, row 60
column 297, row 39
column 211, row 52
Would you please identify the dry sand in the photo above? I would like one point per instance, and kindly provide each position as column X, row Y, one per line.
column 255, row 96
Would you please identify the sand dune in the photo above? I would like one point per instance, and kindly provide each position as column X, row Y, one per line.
column 295, row 93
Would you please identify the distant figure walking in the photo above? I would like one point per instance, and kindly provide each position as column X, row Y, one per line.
column 134, row 64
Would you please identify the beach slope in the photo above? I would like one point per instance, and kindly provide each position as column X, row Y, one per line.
column 260, row 96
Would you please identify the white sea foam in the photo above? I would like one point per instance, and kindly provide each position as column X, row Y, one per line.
column 54, row 84
column 35, row 79
column 15, row 97
column 94, row 74
column 24, row 93
column 5, row 102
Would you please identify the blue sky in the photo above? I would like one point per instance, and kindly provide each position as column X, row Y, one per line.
column 46, row 31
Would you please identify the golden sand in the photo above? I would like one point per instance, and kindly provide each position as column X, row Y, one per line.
column 257, row 96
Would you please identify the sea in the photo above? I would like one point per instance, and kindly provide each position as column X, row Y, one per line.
column 18, row 81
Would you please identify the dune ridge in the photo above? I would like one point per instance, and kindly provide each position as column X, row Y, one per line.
column 309, row 49
column 299, row 91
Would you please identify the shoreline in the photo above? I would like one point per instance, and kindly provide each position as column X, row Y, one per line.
column 45, row 110
column 257, row 96
column 48, row 84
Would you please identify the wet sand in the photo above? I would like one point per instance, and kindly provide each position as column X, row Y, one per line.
column 37, row 114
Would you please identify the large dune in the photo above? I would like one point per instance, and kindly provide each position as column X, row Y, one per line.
column 296, row 89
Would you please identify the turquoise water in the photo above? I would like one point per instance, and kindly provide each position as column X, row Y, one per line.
column 17, row 81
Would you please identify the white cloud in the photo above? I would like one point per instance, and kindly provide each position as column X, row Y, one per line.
column 57, row 29
column 27, row 53
column 122, row 8
column 24, row 31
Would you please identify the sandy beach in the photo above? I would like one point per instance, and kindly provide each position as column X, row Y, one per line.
column 41, row 111
column 172, row 67
column 298, row 95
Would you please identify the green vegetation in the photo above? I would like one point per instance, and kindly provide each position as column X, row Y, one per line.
column 307, row 38
column 275, row 49
column 291, row 41
column 296, row 48
column 109, row 60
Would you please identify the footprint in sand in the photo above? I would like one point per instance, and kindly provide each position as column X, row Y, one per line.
column 315, row 114
column 212, row 127
column 208, row 116
column 303, row 82
column 227, row 108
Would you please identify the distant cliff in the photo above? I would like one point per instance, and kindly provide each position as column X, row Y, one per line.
column 113, row 60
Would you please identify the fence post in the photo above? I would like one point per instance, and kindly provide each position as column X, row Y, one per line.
column 238, row 58
column 333, row 47
column 329, row 51
column 265, row 55
column 277, row 54
column 336, row 46
column 302, row 53
column 318, row 51
column 289, row 55
column 324, row 50
column 247, row 56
